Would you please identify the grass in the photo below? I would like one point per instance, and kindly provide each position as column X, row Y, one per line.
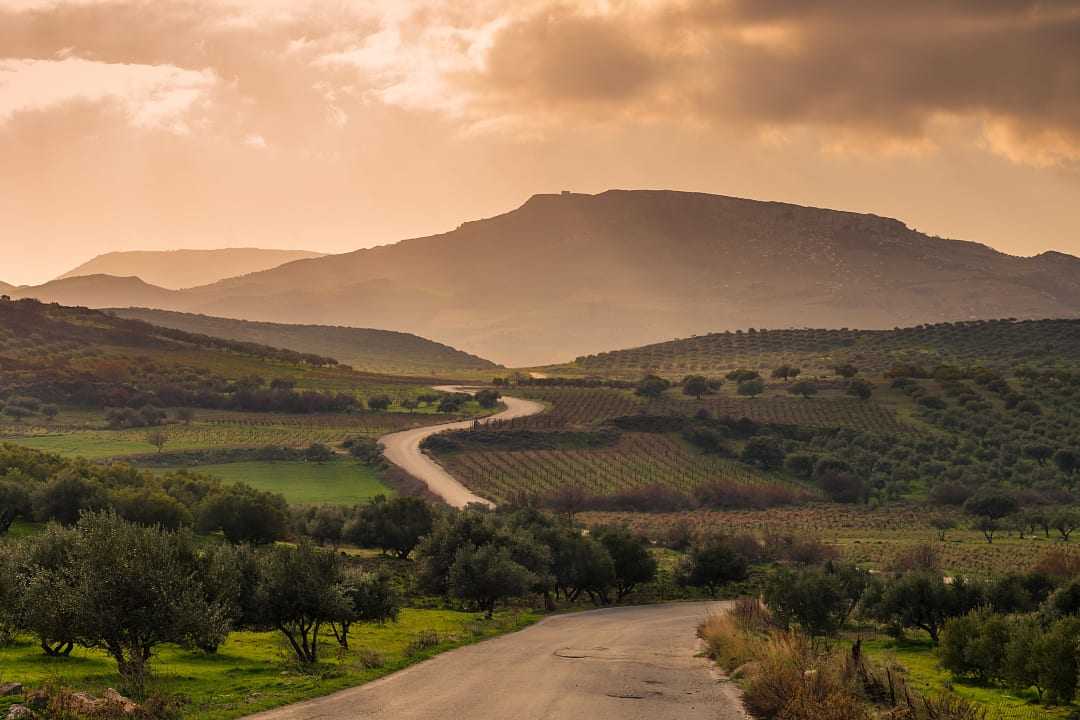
column 250, row 672
column 338, row 482
column 923, row 674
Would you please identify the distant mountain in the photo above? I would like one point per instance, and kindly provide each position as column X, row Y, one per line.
column 176, row 269
column 379, row 351
column 98, row 291
column 567, row 275
column 6, row 289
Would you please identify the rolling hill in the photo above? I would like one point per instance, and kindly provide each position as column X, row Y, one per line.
column 363, row 349
column 176, row 269
column 999, row 344
column 571, row 274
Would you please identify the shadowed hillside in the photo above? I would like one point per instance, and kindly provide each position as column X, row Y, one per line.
column 363, row 349
column 178, row 269
column 566, row 275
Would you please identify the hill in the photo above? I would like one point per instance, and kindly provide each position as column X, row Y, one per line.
column 364, row 349
column 992, row 343
column 176, row 269
column 98, row 291
column 566, row 275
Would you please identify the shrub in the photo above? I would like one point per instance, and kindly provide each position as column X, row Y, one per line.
column 811, row 598
column 712, row 565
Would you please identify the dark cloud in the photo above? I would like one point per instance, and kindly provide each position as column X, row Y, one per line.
column 885, row 69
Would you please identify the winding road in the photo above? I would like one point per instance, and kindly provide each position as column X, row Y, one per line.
column 403, row 449
column 631, row 663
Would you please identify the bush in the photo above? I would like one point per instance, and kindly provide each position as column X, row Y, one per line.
column 244, row 515
column 813, row 599
column 712, row 565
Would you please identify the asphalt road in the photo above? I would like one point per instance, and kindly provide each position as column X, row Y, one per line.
column 403, row 449
column 634, row 663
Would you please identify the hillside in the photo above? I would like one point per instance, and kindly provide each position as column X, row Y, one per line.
column 363, row 349
column 995, row 344
column 178, row 269
column 98, row 291
column 566, row 275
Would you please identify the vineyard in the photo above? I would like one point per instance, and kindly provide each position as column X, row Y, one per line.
column 636, row 460
column 576, row 406
column 863, row 415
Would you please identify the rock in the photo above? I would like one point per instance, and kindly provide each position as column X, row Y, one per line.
column 11, row 689
column 82, row 703
column 20, row 712
column 116, row 701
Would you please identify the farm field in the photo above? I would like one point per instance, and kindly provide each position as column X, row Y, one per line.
column 635, row 460
column 246, row 675
column 338, row 482
column 213, row 430
column 868, row 537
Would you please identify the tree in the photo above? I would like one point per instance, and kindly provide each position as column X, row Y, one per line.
column 742, row 375
column 811, row 598
column 987, row 526
column 151, row 506
column 652, row 386
column 12, row 595
column 66, row 496
column 992, row 503
column 299, row 590
column 318, row 453
column 1060, row 660
column 158, row 438
column 765, row 452
column 372, row 598
column 488, row 398
column 860, row 389
column 846, row 370
column 244, row 515
column 396, row 525
column 920, row 600
column 751, row 388
column 943, row 524
column 134, row 588
column 975, row 645
column 17, row 413
column 632, row 561
column 379, row 402
column 185, row 415
column 1065, row 521
column 1067, row 461
column 786, row 372
column 582, row 565
column 695, row 386
column 14, row 503
column 1038, row 453
column 46, row 612
column 1024, row 665
column 711, row 565
column 486, row 575
column 804, row 388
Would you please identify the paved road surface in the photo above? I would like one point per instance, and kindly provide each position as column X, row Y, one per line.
column 635, row 663
column 403, row 449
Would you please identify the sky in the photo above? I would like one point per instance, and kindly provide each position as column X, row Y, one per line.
column 333, row 125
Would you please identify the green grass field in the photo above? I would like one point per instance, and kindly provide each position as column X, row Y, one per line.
column 923, row 674
column 339, row 482
column 250, row 672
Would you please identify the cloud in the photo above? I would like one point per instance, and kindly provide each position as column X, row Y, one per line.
column 153, row 96
column 860, row 76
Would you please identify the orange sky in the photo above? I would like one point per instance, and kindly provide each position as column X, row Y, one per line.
column 330, row 126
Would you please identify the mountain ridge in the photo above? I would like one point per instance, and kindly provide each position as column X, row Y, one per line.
column 180, row 269
column 572, row 274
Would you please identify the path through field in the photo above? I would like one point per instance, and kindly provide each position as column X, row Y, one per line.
column 632, row 663
column 403, row 449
